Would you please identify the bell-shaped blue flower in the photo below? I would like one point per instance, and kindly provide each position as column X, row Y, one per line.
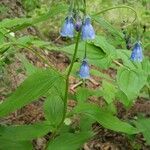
column 67, row 29
column 87, row 31
column 84, row 71
column 137, row 54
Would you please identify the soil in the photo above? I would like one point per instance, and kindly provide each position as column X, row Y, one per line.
column 104, row 139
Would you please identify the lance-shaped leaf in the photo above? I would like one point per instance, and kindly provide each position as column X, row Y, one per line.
column 24, row 132
column 35, row 86
column 15, row 145
column 143, row 125
column 69, row 141
column 105, row 118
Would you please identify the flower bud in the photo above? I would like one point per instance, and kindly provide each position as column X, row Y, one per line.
column 78, row 25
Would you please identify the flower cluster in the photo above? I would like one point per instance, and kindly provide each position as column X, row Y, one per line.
column 76, row 23
column 137, row 54
column 85, row 26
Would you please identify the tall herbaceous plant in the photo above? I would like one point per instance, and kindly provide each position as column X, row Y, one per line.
column 91, row 55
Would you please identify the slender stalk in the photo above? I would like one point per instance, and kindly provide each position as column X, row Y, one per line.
column 85, row 54
column 67, row 78
column 107, row 9
column 84, row 7
column 67, row 84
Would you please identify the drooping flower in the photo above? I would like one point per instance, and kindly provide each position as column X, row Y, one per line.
column 84, row 71
column 67, row 29
column 78, row 24
column 137, row 54
column 87, row 31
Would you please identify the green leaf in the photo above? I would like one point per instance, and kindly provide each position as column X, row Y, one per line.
column 143, row 126
column 100, row 52
column 35, row 86
column 82, row 94
column 86, row 123
column 131, row 82
column 54, row 105
column 24, row 132
column 124, row 55
column 15, row 145
column 105, row 118
column 106, row 25
column 100, row 41
column 24, row 40
column 69, row 141
column 122, row 97
column 110, row 108
column 20, row 23
column 30, row 68
column 1, row 38
column 146, row 66
column 108, row 91
column 53, row 109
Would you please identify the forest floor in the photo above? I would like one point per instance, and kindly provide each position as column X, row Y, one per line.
column 104, row 139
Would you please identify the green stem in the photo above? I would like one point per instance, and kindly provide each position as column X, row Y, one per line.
column 67, row 79
column 71, row 6
column 84, row 7
column 121, row 65
column 116, row 7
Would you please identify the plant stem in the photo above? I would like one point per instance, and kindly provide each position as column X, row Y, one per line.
column 116, row 7
column 121, row 65
column 84, row 7
column 67, row 79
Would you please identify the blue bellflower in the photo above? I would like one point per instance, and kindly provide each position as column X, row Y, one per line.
column 137, row 54
column 84, row 71
column 68, row 28
column 87, row 32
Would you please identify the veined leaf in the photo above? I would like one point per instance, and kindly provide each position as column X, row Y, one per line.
column 131, row 81
column 53, row 109
column 100, row 52
column 35, row 86
column 15, row 145
column 30, row 68
column 82, row 95
column 69, row 141
column 54, row 105
column 24, row 132
column 105, row 118
column 143, row 125
column 122, row 97
column 100, row 41
column 20, row 23
column 108, row 91
column 106, row 25
column 124, row 55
